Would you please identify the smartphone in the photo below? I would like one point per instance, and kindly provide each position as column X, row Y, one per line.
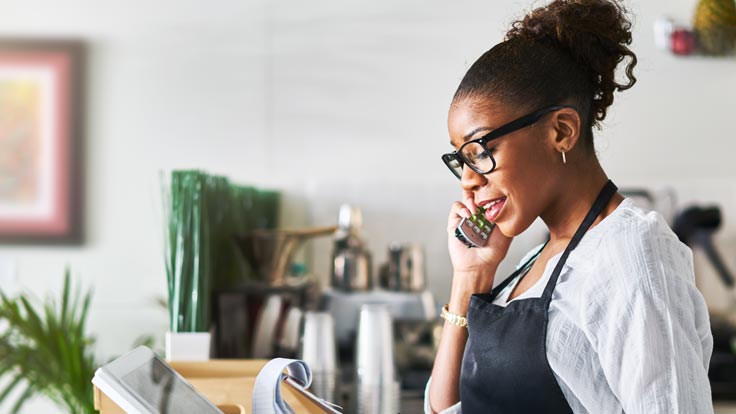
column 476, row 230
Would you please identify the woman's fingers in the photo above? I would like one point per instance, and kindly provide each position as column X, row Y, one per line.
column 458, row 211
column 469, row 200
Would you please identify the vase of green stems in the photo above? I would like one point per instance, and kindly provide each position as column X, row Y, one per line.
column 202, row 214
column 188, row 285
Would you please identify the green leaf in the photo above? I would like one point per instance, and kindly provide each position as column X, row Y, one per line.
column 46, row 346
column 65, row 297
column 10, row 387
column 27, row 394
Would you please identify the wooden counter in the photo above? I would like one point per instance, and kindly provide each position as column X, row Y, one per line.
column 228, row 383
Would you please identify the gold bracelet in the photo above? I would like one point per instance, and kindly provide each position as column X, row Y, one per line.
column 454, row 319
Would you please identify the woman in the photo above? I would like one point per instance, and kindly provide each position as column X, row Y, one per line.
column 604, row 317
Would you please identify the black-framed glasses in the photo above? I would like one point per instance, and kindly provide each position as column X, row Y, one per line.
column 475, row 154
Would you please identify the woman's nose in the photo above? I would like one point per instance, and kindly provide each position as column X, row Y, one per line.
column 471, row 180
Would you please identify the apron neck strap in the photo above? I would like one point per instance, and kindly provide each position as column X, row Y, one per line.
column 600, row 203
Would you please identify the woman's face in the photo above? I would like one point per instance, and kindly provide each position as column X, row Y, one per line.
column 527, row 163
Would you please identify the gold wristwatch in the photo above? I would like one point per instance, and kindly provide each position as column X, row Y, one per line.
column 454, row 319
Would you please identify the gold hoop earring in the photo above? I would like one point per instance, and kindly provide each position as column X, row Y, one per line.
column 564, row 160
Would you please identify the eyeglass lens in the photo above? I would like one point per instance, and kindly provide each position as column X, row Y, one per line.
column 455, row 165
column 477, row 157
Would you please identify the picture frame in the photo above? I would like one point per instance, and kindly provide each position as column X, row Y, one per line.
column 41, row 157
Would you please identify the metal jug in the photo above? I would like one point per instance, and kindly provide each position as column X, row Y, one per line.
column 405, row 268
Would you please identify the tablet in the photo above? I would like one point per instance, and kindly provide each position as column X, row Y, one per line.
column 141, row 382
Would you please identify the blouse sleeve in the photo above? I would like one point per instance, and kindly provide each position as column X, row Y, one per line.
column 455, row 409
column 650, row 325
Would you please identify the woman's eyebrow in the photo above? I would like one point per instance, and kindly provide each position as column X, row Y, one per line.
column 473, row 132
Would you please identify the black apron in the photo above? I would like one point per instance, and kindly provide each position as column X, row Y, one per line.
column 505, row 367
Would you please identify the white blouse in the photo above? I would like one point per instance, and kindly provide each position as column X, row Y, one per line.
column 628, row 330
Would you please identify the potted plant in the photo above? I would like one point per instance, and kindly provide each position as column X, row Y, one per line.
column 187, row 248
column 44, row 350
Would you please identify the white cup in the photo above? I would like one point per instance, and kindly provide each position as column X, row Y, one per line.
column 318, row 350
column 377, row 388
column 265, row 329
column 318, row 342
column 289, row 342
column 377, row 398
column 375, row 346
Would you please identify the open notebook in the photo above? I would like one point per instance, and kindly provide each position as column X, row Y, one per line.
column 267, row 398
column 140, row 382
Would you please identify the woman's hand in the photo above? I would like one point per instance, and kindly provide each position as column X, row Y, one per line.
column 473, row 272
column 473, row 268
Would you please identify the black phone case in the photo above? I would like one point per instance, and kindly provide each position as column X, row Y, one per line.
column 475, row 231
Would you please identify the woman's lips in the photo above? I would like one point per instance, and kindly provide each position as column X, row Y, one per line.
column 493, row 209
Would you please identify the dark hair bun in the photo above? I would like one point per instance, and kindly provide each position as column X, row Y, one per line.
column 596, row 33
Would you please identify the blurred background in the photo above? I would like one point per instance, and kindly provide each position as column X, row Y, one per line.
column 329, row 102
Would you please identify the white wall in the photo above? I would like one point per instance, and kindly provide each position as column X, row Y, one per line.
column 330, row 101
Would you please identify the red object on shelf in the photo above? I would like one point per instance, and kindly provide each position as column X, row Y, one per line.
column 683, row 42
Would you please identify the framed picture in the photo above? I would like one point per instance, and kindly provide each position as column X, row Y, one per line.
column 41, row 108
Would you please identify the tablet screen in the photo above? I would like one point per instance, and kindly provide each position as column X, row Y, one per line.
column 163, row 390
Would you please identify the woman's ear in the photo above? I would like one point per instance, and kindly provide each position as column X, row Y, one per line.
column 566, row 123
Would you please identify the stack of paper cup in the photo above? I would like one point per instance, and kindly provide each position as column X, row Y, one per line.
column 377, row 399
column 318, row 351
column 377, row 388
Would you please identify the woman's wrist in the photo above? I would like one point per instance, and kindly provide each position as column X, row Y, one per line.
column 466, row 284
